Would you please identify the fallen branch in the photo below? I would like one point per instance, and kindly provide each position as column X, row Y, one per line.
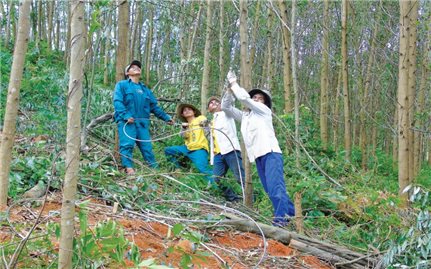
column 339, row 256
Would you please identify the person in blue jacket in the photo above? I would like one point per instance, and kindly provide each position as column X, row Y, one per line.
column 133, row 104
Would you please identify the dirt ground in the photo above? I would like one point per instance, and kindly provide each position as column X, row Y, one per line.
column 226, row 248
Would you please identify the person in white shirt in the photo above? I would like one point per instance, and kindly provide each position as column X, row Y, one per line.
column 226, row 148
column 261, row 144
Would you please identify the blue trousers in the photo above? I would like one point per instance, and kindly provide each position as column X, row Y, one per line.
column 270, row 170
column 232, row 161
column 198, row 157
column 137, row 130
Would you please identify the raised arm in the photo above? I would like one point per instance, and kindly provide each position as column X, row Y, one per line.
column 227, row 106
column 244, row 97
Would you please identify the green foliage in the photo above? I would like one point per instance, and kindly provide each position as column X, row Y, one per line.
column 182, row 232
column 412, row 248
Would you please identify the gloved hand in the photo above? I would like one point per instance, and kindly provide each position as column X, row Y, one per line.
column 204, row 123
column 231, row 77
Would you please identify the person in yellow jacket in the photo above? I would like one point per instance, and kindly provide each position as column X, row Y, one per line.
column 195, row 145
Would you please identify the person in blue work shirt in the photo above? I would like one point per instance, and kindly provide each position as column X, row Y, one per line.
column 133, row 104
column 226, row 148
column 195, row 148
column 261, row 144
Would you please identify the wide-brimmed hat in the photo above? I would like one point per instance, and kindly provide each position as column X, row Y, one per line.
column 211, row 99
column 134, row 62
column 180, row 108
column 265, row 93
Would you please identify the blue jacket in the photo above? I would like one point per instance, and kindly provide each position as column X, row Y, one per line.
column 137, row 101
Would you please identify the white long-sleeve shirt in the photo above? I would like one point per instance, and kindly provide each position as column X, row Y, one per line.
column 256, row 125
column 225, row 132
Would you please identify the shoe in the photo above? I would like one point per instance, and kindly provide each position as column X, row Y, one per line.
column 130, row 171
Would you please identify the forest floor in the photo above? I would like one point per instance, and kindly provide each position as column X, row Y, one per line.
column 228, row 248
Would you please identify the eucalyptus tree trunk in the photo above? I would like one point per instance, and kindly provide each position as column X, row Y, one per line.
column 363, row 142
column 149, row 45
column 324, row 80
column 268, row 70
column 190, row 50
column 137, row 28
column 12, row 103
column 123, row 39
column 221, row 49
column 206, row 70
column 121, row 53
column 286, row 57
column 336, row 112
column 182, row 30
column 57, row 36
column 10, row 16
column 254, row 34
column 403, row 102
column 67, row 50
column 295, row 86
column 50, row 18
column 107, row 55
column 246, row 82
column 347, row 120
column 413, row 17
column 77, row 60
column 424, row 84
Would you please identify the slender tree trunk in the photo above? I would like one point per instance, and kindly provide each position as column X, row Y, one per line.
column 123, row 38
column 395, row 139
column 295, row 87
column 252, row 43
column 347, row 120
column 10, row 16
column 286, row 57
column 424, row 84
column 207, row 56
column 403, row 102
column 67, row 50
column 246, row 82
column 324, row 81
column 336, row 112
column 363, row 142
column 413, row 17
column 121, row 55
column 107, row 54
column 50, row 19
column 149, row 46
column 269, row 57
column 12, row 104
column 77, row 59
column 137, row 28
column 221, row 48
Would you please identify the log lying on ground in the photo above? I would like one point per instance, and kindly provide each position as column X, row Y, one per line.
column 336, row 255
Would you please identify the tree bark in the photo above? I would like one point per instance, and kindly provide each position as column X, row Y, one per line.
column 286, row 57
column 77, row 59
column 123, row 39
column 324, row 81
column 221, row 49
column 363, row 142
column 107, row 54
column 295, row 86
column 347, row 120
column 149, row 46
column 206, row 69
column 403, row 102
column 413, row 17
column 336, row 112
column 246, row 82
column 12, row 103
